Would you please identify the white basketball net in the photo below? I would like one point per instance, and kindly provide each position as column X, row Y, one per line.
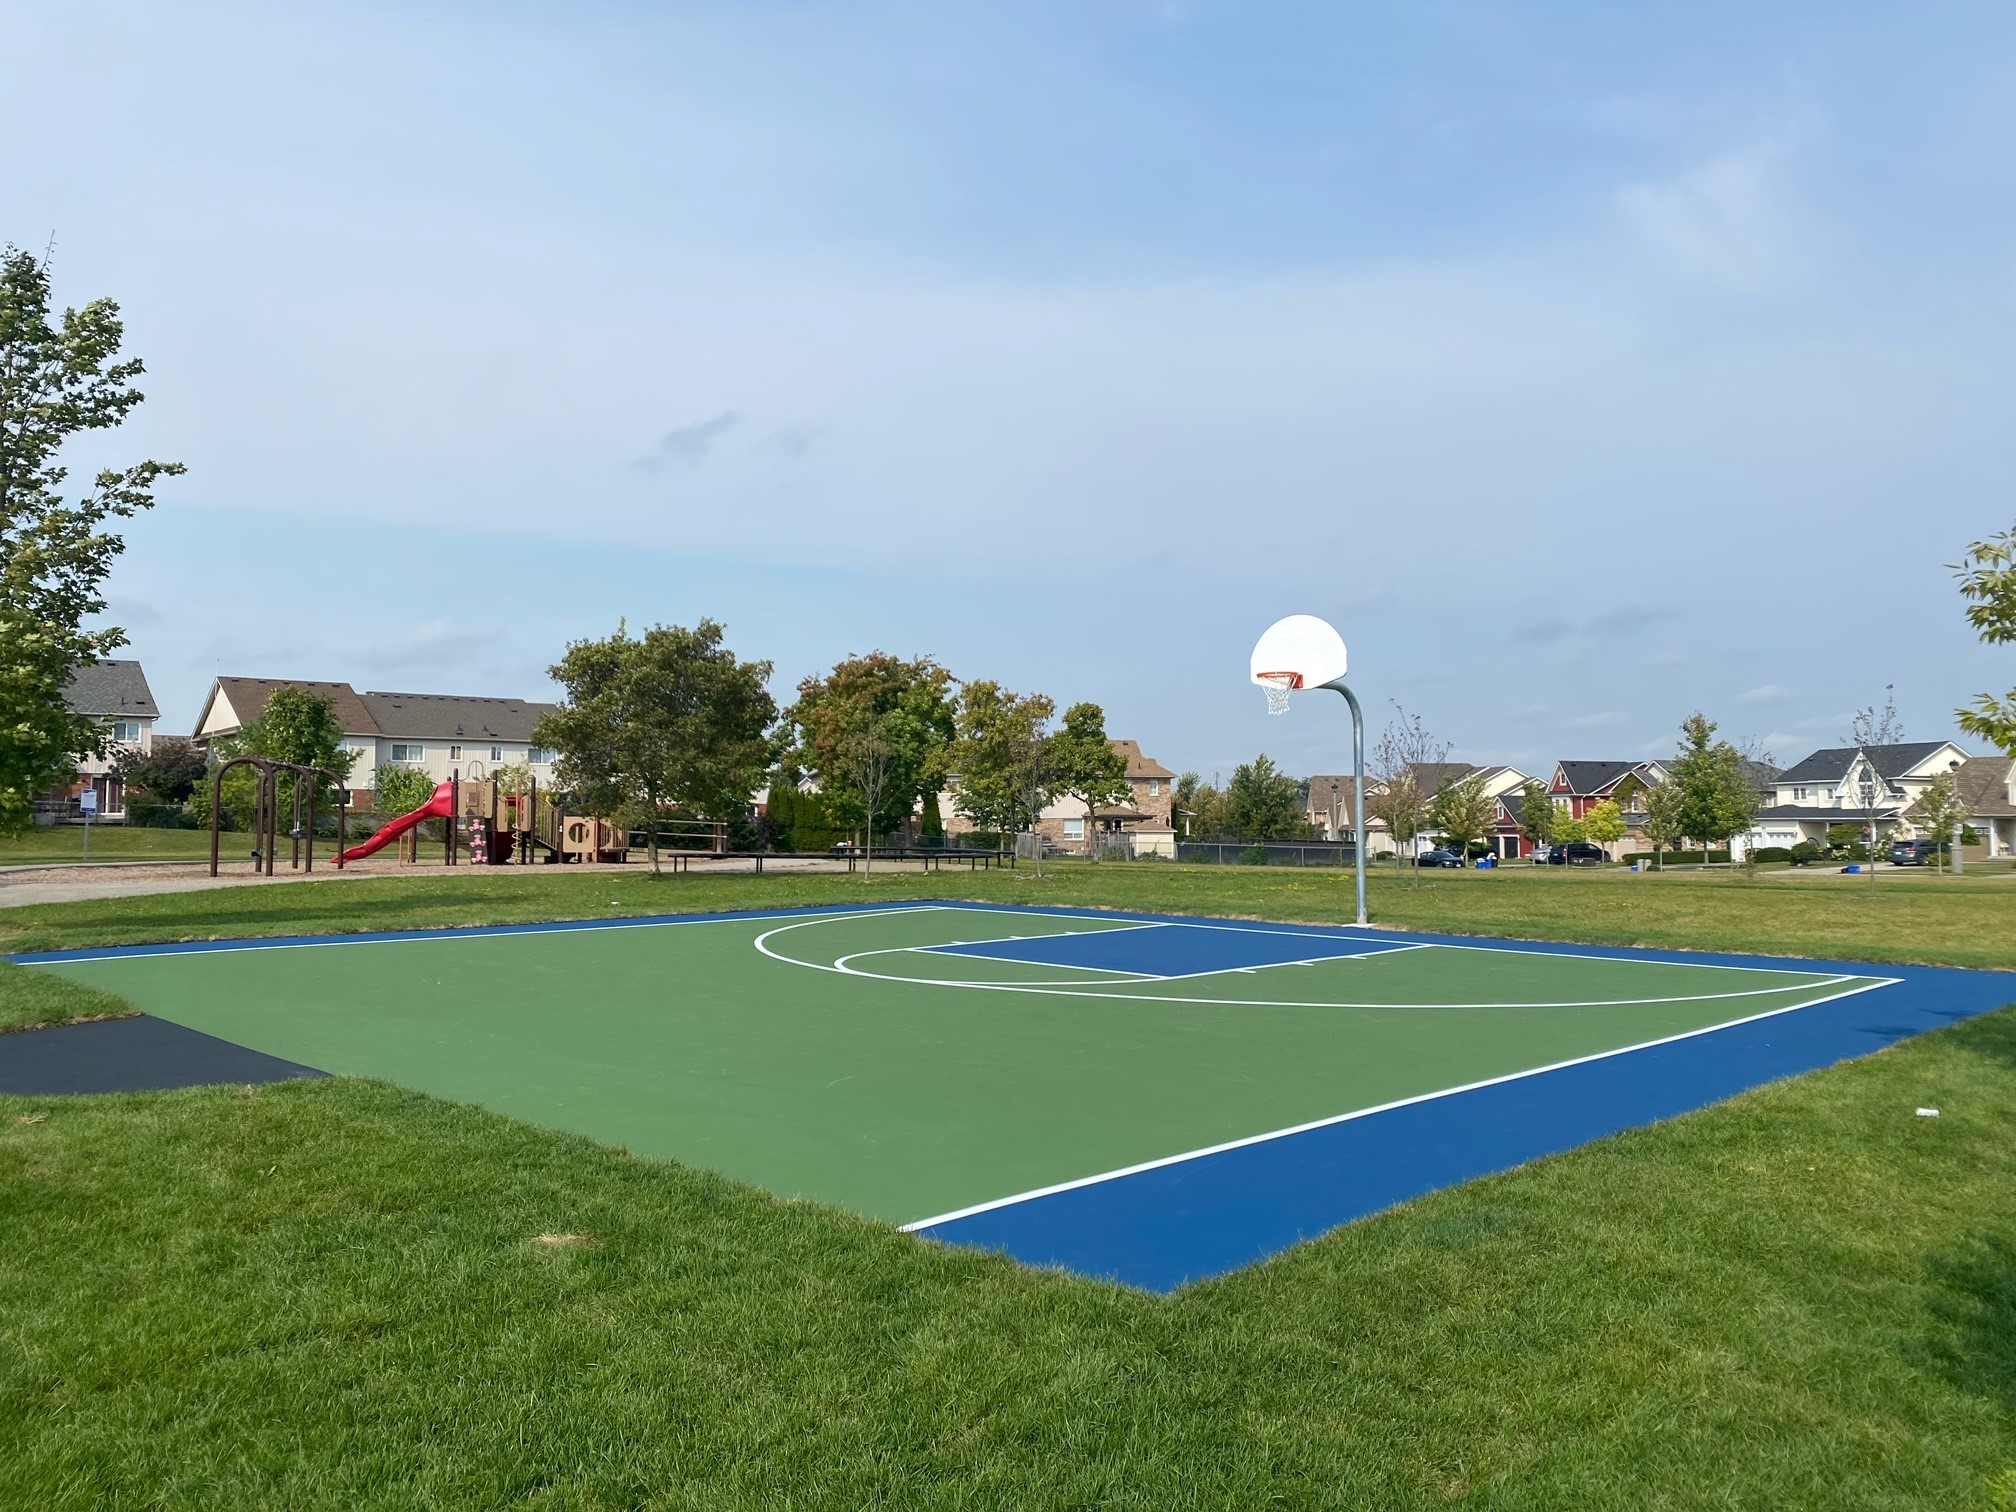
column 1277, row 686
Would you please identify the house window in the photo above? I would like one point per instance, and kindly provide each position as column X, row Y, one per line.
column 1154, row 787
column 496, row 753
column 409, row 753
column 1798, row 795
column 454, row 753
column 1074, row 829
column 539, row 756
column 127, row 730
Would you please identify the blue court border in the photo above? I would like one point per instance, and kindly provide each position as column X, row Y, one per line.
column 1190, row 1219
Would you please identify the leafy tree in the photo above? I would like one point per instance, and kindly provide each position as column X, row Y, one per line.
column 1086, row 766
column 1940, row 811
column 401, row 789
column 1461, row 813
column 1988, row 582
column 1264, row 803
column 672, row 717
column 1714, row 801
column 296, row 726
column 1397, row 796
column 1537, row 813
column 999, row 752
column 514, row 778
column 909, row 705
column 1663, row 820
column 58, row 378
column 1604, row 824
column 1200, row 807
column 1568, row 830
column 169, row 773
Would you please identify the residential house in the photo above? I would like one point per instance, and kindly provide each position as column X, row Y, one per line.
column 441, row 734
column 1503, row 784
column 115, row 693
column 1850, row 785
column 1578, row 786
column 1146, row 820
column 1987, row 786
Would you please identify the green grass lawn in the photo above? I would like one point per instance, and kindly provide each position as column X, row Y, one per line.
column 1909, row 917
column 58, row 843
column 344, row 1294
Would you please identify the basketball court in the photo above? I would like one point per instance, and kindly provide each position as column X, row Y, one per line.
column 1147, row 1098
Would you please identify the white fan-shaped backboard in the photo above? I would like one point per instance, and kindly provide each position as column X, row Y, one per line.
column 1303, row 644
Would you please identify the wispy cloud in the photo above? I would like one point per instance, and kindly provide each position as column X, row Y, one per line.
column 1767, row 693
column 688, row 445
column 1612, row 624
column 1595, row 721
column 1726, row 222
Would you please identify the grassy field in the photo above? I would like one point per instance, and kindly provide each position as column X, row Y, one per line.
column 58, row 843
column 1909, row 917
column 344, row 1294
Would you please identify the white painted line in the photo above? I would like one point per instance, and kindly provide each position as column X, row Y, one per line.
column 1386, row 1107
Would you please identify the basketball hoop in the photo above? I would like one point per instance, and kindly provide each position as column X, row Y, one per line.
column 1278, row 685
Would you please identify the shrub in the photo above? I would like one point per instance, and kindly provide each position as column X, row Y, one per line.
column 1253, row 855
column 1805, row 853
column 1771, row 853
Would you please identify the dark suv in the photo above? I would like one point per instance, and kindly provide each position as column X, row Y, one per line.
column 1576, row 853
column 1913, row 852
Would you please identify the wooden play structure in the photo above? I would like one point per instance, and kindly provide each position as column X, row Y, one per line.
column 518, row 828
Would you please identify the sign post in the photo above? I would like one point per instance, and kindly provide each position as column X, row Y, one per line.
column 87, row 805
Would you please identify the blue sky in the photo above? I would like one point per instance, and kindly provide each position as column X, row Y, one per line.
column 1586, row 364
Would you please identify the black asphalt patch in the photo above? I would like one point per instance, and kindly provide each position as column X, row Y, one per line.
column 140, row 1054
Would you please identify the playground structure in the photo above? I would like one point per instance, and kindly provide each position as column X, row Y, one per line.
column 503, row 828
column 266, row 811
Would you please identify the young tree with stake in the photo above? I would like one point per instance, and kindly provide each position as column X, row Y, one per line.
column 1462, row 812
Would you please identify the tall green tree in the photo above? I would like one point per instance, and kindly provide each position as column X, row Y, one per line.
column 59, row 378
column 1988, row 582
column 1086, row 766
column 1262, row 802
column 671, row 717
column 1537, row 812
column 1462, row 812
column 1001, row 753
column 909, row 707
column 1663, row 820
column 167, row 774
column 1714, row 801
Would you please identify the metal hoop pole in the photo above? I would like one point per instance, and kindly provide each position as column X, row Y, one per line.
column 1357, row 792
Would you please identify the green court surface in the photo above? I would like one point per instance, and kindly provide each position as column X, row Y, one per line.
column 911, row 1062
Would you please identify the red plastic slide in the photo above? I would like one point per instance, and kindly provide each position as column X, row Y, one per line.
column 440, row 806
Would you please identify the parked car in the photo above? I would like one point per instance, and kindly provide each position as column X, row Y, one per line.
column 1439, row 857
column 1576, row 853
column 1541, row 854
column 1914, row 852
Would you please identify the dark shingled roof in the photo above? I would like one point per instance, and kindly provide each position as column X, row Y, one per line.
column 248, row 695
column 1593, row 776
column 1984, row 786
column 116, row 689
column 1832, row 764
column 449, row 716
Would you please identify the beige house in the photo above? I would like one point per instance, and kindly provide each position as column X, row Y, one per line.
column 1146, row 822
column 115, row 693
column 441, row 734
column 1987, row 785
column 1843, row 784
